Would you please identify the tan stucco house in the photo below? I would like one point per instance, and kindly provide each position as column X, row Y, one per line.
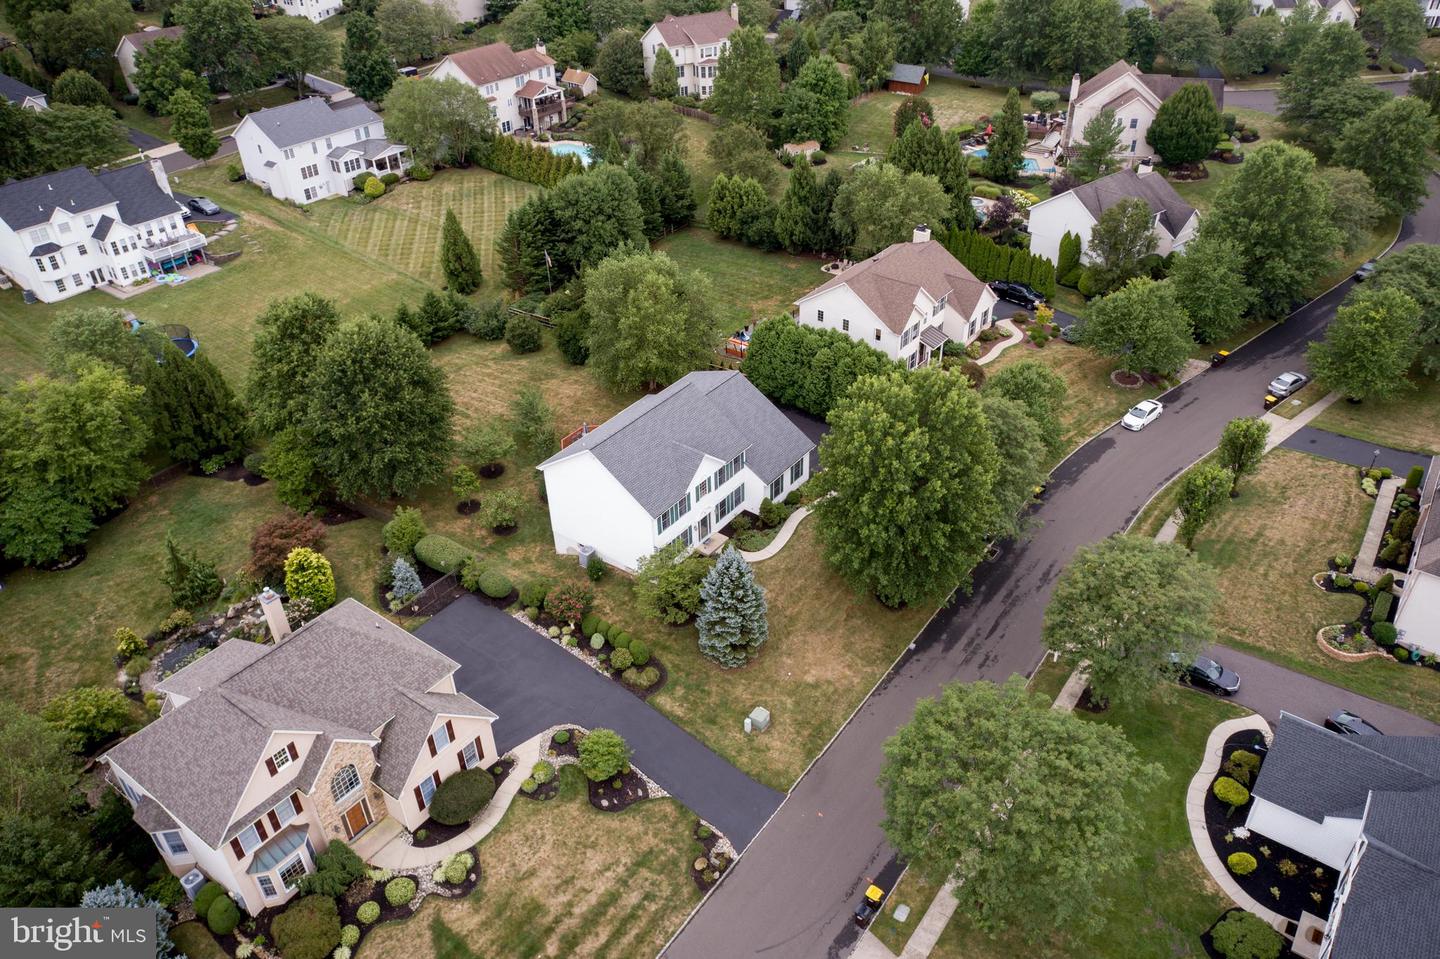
column 265, row 753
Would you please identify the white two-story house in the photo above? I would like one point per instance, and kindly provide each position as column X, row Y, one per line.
column 906, row 301
column 521, row 86
column 677, row 465
column 265, row 753
column 309, row 150
column 695, row 42
column 73, row 230
column 1335, row 11
column 1134, row 97
column 1077, row 211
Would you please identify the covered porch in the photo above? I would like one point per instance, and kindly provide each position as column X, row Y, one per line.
column 379, row 156
column 542, row 105
column 932, row 346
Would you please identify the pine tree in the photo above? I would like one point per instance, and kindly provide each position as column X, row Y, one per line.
column 732, row 620
column 191, row 127
column 799, row 223
column 458, row 260
column 1186, row 126
column 664, row 81
column 369, row 70
column 677, row 193
column 1006, row 149
column 193, row 582
column 1069, row 254
column 195, row 413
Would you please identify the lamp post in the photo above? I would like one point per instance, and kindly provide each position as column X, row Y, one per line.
column 1375, row 455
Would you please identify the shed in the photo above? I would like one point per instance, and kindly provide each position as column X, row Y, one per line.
column 907, row 78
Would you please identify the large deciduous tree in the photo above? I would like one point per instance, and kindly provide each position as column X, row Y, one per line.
column 1415, row 271
column 879, row 205
column 1279, row 213
column 872, row 53
column 296, row 46
column 926, row 29
column 1255, row 44
column 1143, row 325
column 975, row 785
column 732, row 619
column 1203, row 491
column 650, row 321
column 747, row 80
column 291, row 334
column 1022, row 467
column 1392, row 146
column 1130, row 605
column 1370, row 345
column 1084, row 36
column 163, row 68
column 913, row 469
column 1393, row 27
column 1190, row 35
column 442, row 121
column 412, row 29
column 369, row 68
column 740, row 149
column 224, row 42
column 1229, row 13
column 1242, row 444
column 1041, row 391
column 1357, row 209
column 378, row 411
column 816, row 104
column 79, row 89
column 1186, row 125
column 1209, row 280
column 1142, row 34
column 1322, row 92
column 1120, row 241
column 620, row 63
column 191, row 125
column 81, row 37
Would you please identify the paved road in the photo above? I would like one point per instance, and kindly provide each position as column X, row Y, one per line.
column 1268, row 688
column 180, row 160
column 1265, row 100
column 1346, row 449
column 825, row 842
column 142, row 140
column 533, row 684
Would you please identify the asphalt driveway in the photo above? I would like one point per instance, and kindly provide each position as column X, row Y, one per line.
column 533, row 684
column 1347, row 449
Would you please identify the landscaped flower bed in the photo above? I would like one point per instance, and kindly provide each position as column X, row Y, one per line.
column 1274, row 875
column 433, row 833
column 606, row 648
column 713, row 856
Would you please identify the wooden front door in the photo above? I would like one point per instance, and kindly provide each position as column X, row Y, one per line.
column 357, row 817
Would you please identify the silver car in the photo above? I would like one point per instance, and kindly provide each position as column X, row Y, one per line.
column 1287, row 383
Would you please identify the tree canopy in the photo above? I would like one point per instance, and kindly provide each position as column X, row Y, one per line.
column 1186, row 125
column 1370, row 345
column 1392, row 146
column 747, row 80
column 1143, row 325
column 880, row 205
column 1209, row 280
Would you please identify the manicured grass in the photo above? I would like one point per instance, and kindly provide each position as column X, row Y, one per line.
column 195, row 941
column 368, row 257
column 222, row 112
column 560, row 878
column 956, row 102
column 69, row 619
column 1409, row 422
column 913, row 890
column 1152, row 518
column 749, row 283
column 1093, row 401
column 1158, row 909
column 1290, row 517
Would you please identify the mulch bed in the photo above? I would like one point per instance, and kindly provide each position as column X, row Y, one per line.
column 545, row 792
column 1298, row 892
column 468, row 508
column 491, row 471
column 230, row 474
column 545, row 621
column 65, row 562
column 606, row 798
column 438, row 832
column 1126, row 380
column 504, row 530
column 707, row 844
column 254, row 479
column 570, row 747
column 366, row 890
column 1089, row 704
column 336, row 515
column 1189, row 171
column 1207, row 938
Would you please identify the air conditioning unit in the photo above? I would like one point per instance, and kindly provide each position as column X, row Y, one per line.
column 191, row 882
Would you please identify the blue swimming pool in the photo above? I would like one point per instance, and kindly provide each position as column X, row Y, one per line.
column 571, row 149
column 1028, row 164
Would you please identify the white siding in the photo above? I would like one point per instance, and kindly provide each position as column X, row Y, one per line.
column 589, row 506
column 1051, row 219
column 1328, row 842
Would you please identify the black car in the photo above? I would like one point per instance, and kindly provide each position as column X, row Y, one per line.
column 1347, row 723
column 203, row 205
column 1017, row 293
column 1208, row 675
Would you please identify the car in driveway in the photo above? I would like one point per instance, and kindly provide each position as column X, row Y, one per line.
column 1287, row 383
column 1017, row 293
column 1347, row 723
column 1364, row 271
column 203, row 205
column 1204, row 673
column 1142, row 414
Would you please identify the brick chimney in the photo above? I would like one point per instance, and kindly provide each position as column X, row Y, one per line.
column 735, row 12
column 921, row 234
column 275, row 616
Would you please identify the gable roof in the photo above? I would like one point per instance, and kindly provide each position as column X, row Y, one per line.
column 496, row 61
column 888, row 281
column 696, row 28
column 139, row 196
column 1100, row 195
column 655, row 445
column 343, row 675
column 577, row 77
column 1315, row 773
column 907, row 73
column 1161, row 84
column 133, row 189
column 17, row 92
column 1427, row 539
column 141, row 39
column 211, row 669
column 1393, row 904
column 309, row 119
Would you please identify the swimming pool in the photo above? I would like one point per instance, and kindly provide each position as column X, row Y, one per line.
column 571, row 149
column 1029, row 165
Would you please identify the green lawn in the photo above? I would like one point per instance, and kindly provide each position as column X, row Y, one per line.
column 195, row 941
column 1159, row 908
column 1408, row 422
column 956, row 102
column 561, row 878
column 65, row 622
column 222, row 112
column 369, row 257
column 749, row 283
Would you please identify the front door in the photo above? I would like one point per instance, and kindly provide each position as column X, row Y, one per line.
column 97, row 277
column 704, row 527
column 357, row 817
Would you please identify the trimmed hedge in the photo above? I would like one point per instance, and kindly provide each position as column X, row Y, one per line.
column 368, row 912
column 639, row 652
column 1381, row 612
column 1241, row 863
column 808, row 368
column 206, row 897
column 495, row 584
column 223, row 916
column 441, row 553
column 460, row 797
column 399, row 892
column 1385, row 633
column 309, row 928
column 989, row 260
column 1231, row 793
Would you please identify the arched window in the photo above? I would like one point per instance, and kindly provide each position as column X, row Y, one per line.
column 344, row 782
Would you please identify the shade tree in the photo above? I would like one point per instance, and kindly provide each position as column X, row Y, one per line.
column 1370, row 345
column 1143, row 325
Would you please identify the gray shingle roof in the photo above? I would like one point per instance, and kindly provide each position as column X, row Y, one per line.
column 212, row 669
column 1161, row 84
column 344, row 675
column 369, row 149
column 1316, row 773
column 907, row 73
column 1100, row 195
column 17, row 92
column 310, row 119
column 103, row 227
column 654, row 446
column 25, row 203
column 151, row 816
column 139, row 196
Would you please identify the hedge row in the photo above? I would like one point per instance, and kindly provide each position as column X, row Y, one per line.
column 533, row 164
column 808, row 368
column 441, row 553
column 989, row 260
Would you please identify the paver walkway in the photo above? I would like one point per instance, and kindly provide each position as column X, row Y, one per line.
column 787, row 529
column 532, row 683
column 1365, row 567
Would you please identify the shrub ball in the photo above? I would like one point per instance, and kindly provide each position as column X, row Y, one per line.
column 223, row 916
column 1241, row 863
column 400, row 891
column 461, row 796
column 309, row 928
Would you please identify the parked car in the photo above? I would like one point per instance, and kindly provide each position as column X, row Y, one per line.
column 1208, row 675
column 408, row 72
column 204, row 205
column 1364, row 271
column 1287, row 383
column 869, row 907
column 1017, row 293
column 1347, row 723
column 1142, row 414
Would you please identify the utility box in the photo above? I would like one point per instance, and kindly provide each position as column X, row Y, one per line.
column 585, row 553
column 759, row 719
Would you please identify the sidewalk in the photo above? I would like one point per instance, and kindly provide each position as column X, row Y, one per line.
column 787, row 529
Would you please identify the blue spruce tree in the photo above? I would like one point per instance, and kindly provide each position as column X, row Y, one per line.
column 732, row 612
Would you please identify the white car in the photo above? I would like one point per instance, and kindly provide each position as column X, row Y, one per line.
column 1142, row 414
column 1287, row 383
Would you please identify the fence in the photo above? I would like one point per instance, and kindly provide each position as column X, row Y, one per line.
column 696, row 113
column 437, row 596
column 542, row 320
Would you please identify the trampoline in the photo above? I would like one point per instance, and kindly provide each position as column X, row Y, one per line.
column 180, row 335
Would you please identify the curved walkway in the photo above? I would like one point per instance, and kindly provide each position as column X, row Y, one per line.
column 1195, row 813
column 1014, row 336
column 787, row 529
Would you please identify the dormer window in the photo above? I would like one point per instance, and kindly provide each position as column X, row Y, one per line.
column 40, row 235
column 278, row 761
column 64, row 226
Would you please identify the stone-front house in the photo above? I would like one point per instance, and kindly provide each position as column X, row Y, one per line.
column 264, row 754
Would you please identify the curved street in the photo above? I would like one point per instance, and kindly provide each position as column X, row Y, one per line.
column 791, row 894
